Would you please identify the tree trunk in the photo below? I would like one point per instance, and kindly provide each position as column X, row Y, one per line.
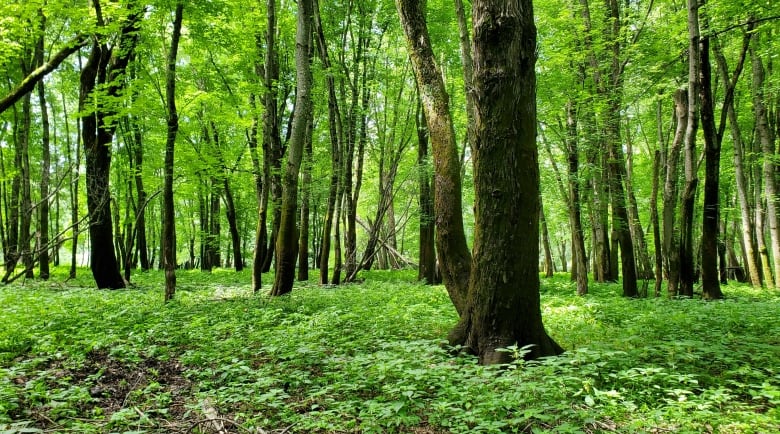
column 230, row 216
column 468, row 69
column 43, row 221
column 452, row 250
column 548, row 261
column 671, row 240
column 286, row 243
column 711, row 214
column 687, row 254
column 168, row 236
column 303, row 239
column 747, row 232
column 427, row 252
column 503, row 298
column 767, row 140
column 579, row 259
column 336, row 139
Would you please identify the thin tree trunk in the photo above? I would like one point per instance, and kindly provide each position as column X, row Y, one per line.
column 43, row 222
column 747, row 232
column 548, row 261
column 579, row 259
column 168, row 236
column 303, row 239
column 687, row 254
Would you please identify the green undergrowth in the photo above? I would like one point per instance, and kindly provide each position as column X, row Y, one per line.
column 369, row 357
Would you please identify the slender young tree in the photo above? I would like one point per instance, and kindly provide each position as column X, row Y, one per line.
column 168, row 237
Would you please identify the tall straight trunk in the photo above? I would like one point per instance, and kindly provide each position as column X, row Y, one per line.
column 272, row 142
column 747, row 228
column 711, row 213
column 214, row 246
column 687, row 254
column 43, row 217
column 74, row 163
column 452, row 250
column 287, row 239
column 767, row 139
column 548, row 260
column 336, row 138
column 616, row 164
column 26, row 216
column 579, row 259
column 258, row 251
column 644, row 267
column 656, row 225
column 168, row 236
column 232, row 219
column 503, row 300
column 468, row 69
column 671, row 239
column 427, row 252
column 303, row 239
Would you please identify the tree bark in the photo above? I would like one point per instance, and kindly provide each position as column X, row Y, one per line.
column 43, row 218
column 769, row 168
column 671, row 240
column 452, row 250
column 427, row 252
column 687, row 255
column 503, row 300
column 579, row 263
column 168, row 236
column 286, row 243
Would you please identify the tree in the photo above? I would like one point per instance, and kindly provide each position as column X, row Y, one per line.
column 502, row 304
column 168, row 236
column 287, row 238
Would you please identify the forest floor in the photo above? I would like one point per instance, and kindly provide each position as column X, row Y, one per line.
column 369, row 357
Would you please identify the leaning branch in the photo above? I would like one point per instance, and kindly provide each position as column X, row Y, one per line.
column 29, row 82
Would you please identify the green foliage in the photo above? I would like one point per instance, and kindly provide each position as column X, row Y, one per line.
column 369, row 358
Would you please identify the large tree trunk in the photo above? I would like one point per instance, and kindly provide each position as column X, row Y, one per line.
column 711, row 214
column 503, row 300
column 767, row 140
column 287, row 239
column 452, row 250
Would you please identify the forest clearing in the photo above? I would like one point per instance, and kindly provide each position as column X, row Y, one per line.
column 370, row 357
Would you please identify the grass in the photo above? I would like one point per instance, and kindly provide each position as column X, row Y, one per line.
column 370, row 358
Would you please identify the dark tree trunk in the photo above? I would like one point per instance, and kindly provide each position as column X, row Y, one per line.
column 549, row 267
column 503, row 300
column 43, row 220
column 303, row 239
column 687, row 255
column 168, row 237
column 579, row 258
column 427, row 253
column 231, row 217
column 671, row 240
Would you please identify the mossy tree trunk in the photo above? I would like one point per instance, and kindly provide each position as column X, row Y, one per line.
column 287, row 239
